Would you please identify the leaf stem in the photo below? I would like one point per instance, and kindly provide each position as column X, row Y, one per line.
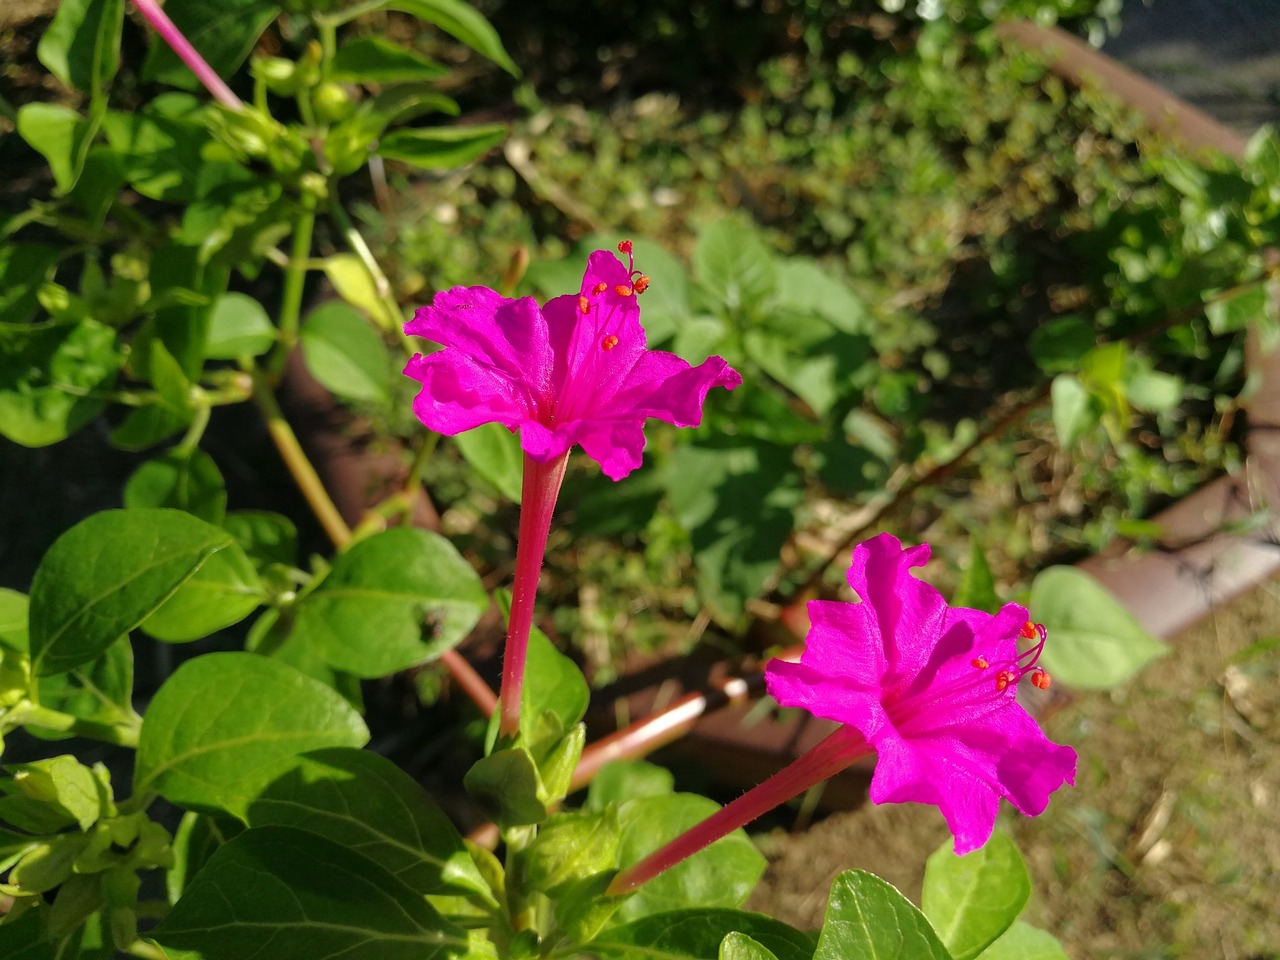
column 124, row 733
column 295, row 459
column 295, row 275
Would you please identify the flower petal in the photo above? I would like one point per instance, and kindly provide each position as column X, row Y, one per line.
column 458, row 394
column 844, row 641
column 798, row 685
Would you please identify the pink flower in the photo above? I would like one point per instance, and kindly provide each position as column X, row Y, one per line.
column 573, row 372
column 933, row 689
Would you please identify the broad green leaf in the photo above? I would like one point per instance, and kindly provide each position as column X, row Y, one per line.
column 1024, row 942
column 345, row 353
column 302, row 896
column 697, row 934
column 350, row 277
column 24, row 939
column 805, row 288
column 1094, row 642
column 190, row 482
column 100, row 691
column 738, row 946
column 197, row 837
column 81, row 46
column 552, row 684
column 224, row 591
column 442, row 148
column 494, row 452
column 222, row 31
column 1059, row 345
column 61, row 136
column 1073, row 411
column 977, row 588
column 147, row 426
column 377, row 60
column 506, row 787
column 734, row 267
column 219, row 727
column 866, row 917
column 162, row 149
column 368, row 804
column 265, row 537
column 624, row 780
column 811, row 359
column 106, row 575
column 24, row 268
column 570, row 848
column 238, row 327
column 391, row 601
column 51, row 378
column 972, row 900
column 14, row 608
column 1237, row 312
column 462, row 22
column 63, row 786
column 1154, row 391
column 722, row 875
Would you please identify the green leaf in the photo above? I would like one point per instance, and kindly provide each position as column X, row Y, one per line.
column 222, row 592
column 624, row 780
column 106, row 575
column 62, row 786
column 61, row 136
column 303, row 897
column 697, row 935
column 14, row 608
column 147, row 426
column 81, row 46
column 24, row 269
column 442, row 148
column 734, row 267
column 972, row 900
column 391, row 601
column 1073, row 410
column 197, row 837
column 494, row 452
column 808, row 357
column 23, row 939
column 722, row 875
column 350, row 277
column 100, row 691
column 1024, row 942
column 238, row 327
column 376, row 60
column 569, row 848
column 162, row 149
column 50, row 375
column 1154, row 391
column 1237, row 312
column 867, row 917
column 1059, row 345
column 804, row 288
column 190, row 482
column 218, row 728
column 977, row 588
column 265, row 537
column 369, row 805
column 462, row 22
column 554, row 685
column 506, row 787
column 222, row 31
column 346, row 354
column 738, row 946
column 1094, row 642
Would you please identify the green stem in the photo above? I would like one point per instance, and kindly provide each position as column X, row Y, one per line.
column 124, row 733
column 299, row 466
column 199, row 421
column 350, row 13
column 295, row 276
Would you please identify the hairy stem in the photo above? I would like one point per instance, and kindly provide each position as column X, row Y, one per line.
column 188, row 54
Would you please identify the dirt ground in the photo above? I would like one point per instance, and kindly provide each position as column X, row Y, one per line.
column 1169, row 845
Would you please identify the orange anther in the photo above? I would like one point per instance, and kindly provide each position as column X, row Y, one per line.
column 623, row 290
column 624, row 246
column 600, row 288
column 609, row 342
column 584, row 305
column 979, row 662
column 1041, row 680
column 641, row 283
column 1030, row 631
column 1003, row 679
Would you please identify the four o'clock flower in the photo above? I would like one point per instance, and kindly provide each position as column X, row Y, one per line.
column 930, row 689
column 574, row 372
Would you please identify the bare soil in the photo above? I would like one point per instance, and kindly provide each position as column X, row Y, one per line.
column 1168, row 846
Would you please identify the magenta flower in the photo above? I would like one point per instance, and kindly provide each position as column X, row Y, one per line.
column 933, row 689
column 573, row 372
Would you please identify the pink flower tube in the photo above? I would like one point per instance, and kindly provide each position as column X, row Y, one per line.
column 188, row 54
column 930, row 689
column 574, row 372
